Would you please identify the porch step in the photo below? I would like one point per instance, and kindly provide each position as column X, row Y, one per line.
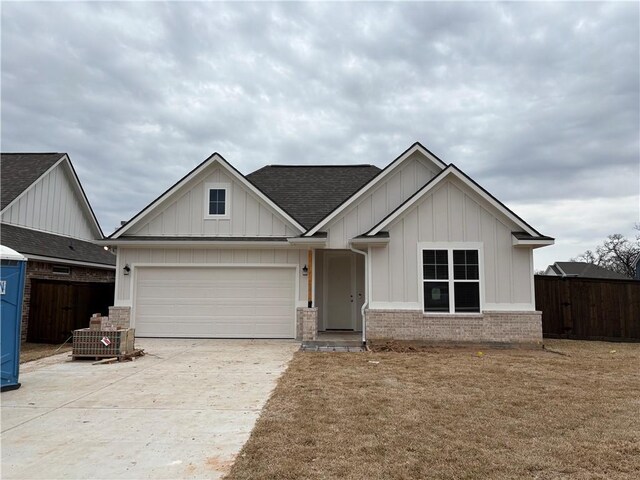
column 332, row 346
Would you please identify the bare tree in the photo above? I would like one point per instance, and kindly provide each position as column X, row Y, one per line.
column 616, row 253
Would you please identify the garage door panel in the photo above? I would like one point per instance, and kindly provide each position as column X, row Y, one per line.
column 233, row 302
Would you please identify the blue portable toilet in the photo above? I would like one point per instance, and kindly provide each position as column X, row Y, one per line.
column 12, row 272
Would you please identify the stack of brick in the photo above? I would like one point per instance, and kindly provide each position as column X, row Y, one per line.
column 102, row 324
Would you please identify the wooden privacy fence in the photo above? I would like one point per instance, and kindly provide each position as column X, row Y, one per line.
column 590, row 309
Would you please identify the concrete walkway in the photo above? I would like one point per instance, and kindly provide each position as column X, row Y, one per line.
column 182, row 411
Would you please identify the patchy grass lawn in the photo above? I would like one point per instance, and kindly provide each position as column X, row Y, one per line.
column 453, row 413
column 36, row 351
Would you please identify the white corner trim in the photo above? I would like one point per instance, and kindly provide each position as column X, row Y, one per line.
column 429, row 186
column 227, row 200
column 368, row 186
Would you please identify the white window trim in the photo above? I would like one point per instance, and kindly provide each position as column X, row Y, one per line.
column 227, row 200
column 450, row 246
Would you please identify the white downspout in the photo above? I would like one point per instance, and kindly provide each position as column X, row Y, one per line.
column 366, row 290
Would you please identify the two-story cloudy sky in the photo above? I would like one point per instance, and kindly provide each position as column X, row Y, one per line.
column 538, row 102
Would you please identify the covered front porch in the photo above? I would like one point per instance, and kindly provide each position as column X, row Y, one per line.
column 337, row 294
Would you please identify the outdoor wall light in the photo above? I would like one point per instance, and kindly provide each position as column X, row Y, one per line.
column 305, row 271
column 126, row 269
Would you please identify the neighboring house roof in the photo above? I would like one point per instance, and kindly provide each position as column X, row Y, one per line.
column 310, row 192
column 20, row 170
column 584, row 270
column 32, row 243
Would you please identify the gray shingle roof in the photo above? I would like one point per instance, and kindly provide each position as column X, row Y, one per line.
column 26, row 241
column 310, row 193
column 19, row 170
column 587, row 270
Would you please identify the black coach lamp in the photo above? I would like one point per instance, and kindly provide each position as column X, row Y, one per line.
column 126, row 269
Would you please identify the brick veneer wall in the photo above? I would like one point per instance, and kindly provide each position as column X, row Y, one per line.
column 306, row 324
column 489, row 327
column 44, row 271
column 120, row 316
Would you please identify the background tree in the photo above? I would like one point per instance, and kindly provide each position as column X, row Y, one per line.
column 616, row 253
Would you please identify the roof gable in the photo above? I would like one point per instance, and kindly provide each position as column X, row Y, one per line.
column 200, row 173
column 20, row 171
column 310, row 192
column 453, row 171
column 415, row 148
column 50, row 184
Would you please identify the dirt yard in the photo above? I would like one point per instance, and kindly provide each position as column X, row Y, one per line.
column 571, row 411
column 36, row 351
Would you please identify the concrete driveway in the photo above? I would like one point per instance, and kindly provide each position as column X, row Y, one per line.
column 182, row 411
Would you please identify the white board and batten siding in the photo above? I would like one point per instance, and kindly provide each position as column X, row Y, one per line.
column 373, row 206
column 452, row 213
column 52, row 205
column 183, row 214
column 215, row 302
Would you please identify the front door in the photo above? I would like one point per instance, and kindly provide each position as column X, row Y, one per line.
column 340, row 306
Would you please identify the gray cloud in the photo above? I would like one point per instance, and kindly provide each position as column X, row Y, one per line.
column 539, row 102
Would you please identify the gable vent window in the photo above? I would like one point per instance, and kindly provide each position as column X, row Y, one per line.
column 217, row 201
column 451, row 280
column 61, row 269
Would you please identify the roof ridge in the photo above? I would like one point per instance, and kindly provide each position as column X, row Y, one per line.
column 32, row 153
column 321, row 166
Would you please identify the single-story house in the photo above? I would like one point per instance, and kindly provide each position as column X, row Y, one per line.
column 582, row 270
column 45, row 215
column 415, row 251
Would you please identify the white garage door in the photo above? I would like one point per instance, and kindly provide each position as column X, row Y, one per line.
column 210, row 302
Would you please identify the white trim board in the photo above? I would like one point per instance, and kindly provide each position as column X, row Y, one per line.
column 215, row 158
column 416, row 147
column 61, row 261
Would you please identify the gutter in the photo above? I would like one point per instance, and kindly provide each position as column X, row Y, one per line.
column 366, row 290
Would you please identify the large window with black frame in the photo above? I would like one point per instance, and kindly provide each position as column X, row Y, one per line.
column 451, row 280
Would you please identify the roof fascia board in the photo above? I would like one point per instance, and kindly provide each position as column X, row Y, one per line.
column 24, row 192
column 535, row 243
column 42, row 258
column 308, row 241
column 193, row 244
column 416, row 147
column 215, row 157
column 453, row 170
column 370, row 242
column 83, row 195
column 564, row 274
